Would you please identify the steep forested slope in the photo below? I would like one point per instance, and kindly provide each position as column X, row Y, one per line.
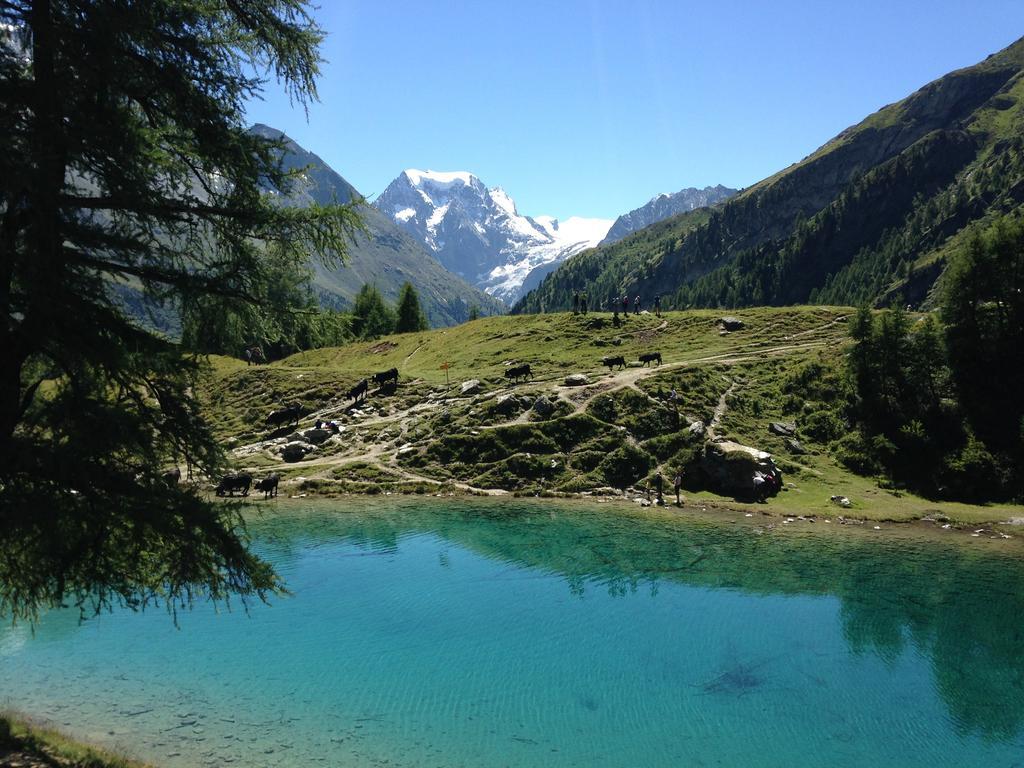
column 870, row 216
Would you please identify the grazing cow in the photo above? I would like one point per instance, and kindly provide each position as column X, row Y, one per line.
column 650, row 357
column 517, row 372
column 254, row 355
column 288, row 415
column 231, row 483
column 359, row 391
column 172, row 476
column 611, row 362
column 385, row 376
column 268, row 485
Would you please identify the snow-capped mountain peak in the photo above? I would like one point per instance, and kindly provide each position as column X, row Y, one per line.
column 479, row 233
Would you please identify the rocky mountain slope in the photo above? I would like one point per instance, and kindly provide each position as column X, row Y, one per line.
column 665, row 206
column 478, row 233
column 384, row 255
column 870, row 216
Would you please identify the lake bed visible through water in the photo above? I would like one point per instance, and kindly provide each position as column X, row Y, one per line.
column 513, row 633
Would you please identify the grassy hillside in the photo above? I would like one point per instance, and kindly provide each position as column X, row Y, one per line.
column 870, row 216
column 607, row 436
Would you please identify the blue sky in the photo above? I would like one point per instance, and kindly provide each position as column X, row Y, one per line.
column 591, row 107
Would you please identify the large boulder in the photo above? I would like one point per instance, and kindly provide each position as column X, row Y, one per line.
column 295, row 450
column 782, row 429
column 470, row 387
column 577, row 380
column 316, row 436
column 543, row 407
column 730, row 468
column 794, row 446
column 730, row 323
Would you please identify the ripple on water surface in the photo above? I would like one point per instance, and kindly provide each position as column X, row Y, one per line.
column 485, row 634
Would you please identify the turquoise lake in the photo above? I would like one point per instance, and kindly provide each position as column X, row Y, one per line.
column 466, row 633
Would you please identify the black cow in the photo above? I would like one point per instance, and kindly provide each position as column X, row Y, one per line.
column 385, row 376
column 517, row 372
column 268, row 485
column 254, row 355
column 231, row 483
column 172, row 476
column 611, row 362
column 288, row 415
column 650, row 357
column 359, row 391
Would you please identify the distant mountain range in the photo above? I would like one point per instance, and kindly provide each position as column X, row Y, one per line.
column 384, row 255
column 478, row 233
column 665, row 206
column 871, row 216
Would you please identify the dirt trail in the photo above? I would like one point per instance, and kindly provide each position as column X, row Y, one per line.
column 720, row 410
column 384, row 455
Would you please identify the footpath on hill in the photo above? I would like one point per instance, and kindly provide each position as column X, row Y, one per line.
column 575, row 427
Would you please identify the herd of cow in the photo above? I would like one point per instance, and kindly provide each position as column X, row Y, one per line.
column 620, row 361
column 290, row 415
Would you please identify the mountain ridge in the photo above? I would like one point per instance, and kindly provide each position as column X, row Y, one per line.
column 383, row 255
column 664, row 206
column 870, row 216
column 477, row 231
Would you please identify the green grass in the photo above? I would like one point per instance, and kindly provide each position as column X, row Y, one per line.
column 22, row 734
column 617, row 432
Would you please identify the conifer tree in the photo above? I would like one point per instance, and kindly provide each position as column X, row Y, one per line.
column 371, row 317
column 409, row 315
column 127, row 163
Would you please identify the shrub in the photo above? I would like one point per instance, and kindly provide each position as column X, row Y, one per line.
column 625, row 465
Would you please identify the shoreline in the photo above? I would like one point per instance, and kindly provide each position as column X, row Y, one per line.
column 762, row 516
column 30, row 741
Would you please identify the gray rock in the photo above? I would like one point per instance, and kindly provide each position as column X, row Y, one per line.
column 730, row 323
column 617, row 342
column 697, row 428
column 543, row 406
column 577, row 380
column 295, row 450
column 470, row 387
column 316, row 436
column 730, row 467
column 507, row 405
column 794, row 446
column 783, row 429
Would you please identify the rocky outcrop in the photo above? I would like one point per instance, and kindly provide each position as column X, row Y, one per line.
column 577, row 380
column 543, row 407
column 782, row 429
column 295, row 450
column 316, row 436
column 730, row 323
column 732, row 469
column 470, row 387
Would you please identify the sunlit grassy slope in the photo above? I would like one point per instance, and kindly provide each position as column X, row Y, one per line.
column 614, row 433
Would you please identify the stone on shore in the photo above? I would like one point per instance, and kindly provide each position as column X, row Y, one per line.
column 730, row 468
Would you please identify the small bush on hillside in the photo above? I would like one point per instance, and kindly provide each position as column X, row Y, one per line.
column 625, row 466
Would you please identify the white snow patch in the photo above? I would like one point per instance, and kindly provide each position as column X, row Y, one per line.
column 506, row 203
column 405, row 214
column 438, row 178
column 437, row 216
